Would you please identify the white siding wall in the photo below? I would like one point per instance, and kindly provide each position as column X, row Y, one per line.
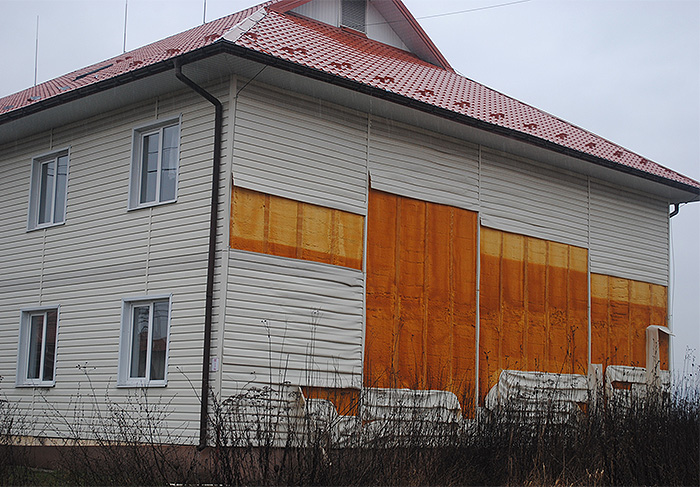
column 300, row 148
column 285, row 145
column 423, row 165
column 524, row 197
column 328, row 12
column 629, row 234
column 313, row 313
column 103, row 254
column 379, row 30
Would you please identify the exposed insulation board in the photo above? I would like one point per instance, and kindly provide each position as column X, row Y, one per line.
column 287, row 228
column 533, row 306
column 421, row 296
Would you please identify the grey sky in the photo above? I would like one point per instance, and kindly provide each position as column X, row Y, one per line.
column 628, row 71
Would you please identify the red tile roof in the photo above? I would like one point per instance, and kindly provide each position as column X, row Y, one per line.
column 349, row 55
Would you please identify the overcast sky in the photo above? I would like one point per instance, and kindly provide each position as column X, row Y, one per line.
column 628, row 71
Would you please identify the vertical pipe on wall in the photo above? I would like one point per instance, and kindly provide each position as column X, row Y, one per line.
column 478, row 289
column 209, row 299
column 588, row 270
column 670, row 287
column 368, row 188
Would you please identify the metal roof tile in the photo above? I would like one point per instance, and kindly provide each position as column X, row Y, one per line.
column 347, row 54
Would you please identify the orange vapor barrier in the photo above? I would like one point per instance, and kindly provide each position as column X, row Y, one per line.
column 621, row 310
column 279, row 226
column 533, row 306
column 421, row 296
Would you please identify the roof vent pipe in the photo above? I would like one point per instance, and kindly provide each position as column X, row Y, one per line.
column 209, row 303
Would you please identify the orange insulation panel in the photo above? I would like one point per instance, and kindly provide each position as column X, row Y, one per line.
column 279, row 226
column 621, row 310
column 421, row 296
column 533, row 306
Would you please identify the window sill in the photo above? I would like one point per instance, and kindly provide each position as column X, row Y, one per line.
column 45, row 225
column 141, row 385
column 43, row 385
column 151, row 205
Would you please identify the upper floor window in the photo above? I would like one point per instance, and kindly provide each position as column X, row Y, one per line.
column 36, row 360
column 353, row 14
column 49, row 183
column 144, row 341
column 154, row 166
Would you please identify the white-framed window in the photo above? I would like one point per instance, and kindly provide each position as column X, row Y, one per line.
column 36, row 357
column 49, row 190
column 143, row 348
column 154, row 165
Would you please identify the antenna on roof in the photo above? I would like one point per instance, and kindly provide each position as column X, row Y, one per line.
column 204, row 16
column 36, row 51
column 126, row 8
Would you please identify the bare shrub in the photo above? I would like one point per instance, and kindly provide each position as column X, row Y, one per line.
column 273, row 435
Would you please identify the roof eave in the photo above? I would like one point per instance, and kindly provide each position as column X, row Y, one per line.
column 135, row 75
column 451, row 115
column 289, row 66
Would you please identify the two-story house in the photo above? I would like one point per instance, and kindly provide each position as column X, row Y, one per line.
column 305, row 192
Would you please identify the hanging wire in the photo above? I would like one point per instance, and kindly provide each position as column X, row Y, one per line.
column 488, row 7
column 458, row 12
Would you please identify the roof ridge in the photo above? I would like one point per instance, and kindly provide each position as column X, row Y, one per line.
column 245, row 25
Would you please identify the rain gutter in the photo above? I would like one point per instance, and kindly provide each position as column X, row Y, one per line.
column 676, row 209
column 225, row 47
column 449, row 114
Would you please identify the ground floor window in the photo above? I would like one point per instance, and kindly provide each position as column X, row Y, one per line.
column 36, row 363
column 144, row 341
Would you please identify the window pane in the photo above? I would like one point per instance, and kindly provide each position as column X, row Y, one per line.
column 50, row 347
column 159, row 342
column 139, row 341
column 59, row 210
column 46, row 191
column 149, row 167
column 35, row 338
column 168, row 175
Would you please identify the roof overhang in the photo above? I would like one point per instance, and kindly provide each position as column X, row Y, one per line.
column 208, row 63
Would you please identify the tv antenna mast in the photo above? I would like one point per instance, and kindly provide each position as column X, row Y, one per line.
column 126, row 8
column 36, row 51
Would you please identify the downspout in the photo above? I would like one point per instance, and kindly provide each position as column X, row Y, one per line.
column 209, row 304
column 676, row 209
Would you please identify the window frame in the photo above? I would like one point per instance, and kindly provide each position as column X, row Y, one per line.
column 126, row 342
column 137, row 143
column 35, row 189
column 23, row 347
